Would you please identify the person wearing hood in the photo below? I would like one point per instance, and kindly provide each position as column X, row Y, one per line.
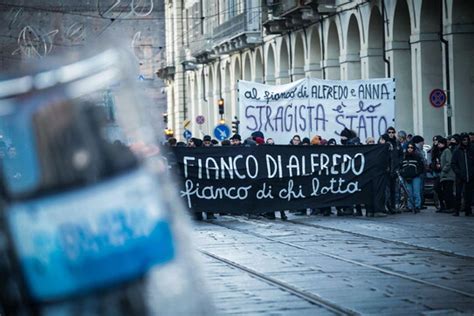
column 346, row 135
column 349, row 137
column 463, row 165
column 195, row 142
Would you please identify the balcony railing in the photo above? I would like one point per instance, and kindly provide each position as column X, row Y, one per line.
column 200, row 44
column 249, row 21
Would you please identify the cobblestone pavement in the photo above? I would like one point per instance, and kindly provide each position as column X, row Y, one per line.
column 401, row 264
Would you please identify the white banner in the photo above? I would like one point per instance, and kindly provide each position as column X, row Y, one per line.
column 310, row 107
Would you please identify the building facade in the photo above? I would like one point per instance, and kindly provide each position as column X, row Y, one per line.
column 423, row 44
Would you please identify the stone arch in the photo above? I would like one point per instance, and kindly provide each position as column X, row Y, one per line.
column 284, row 64
column 258, row 66
column 270, row 65
column 375, row 63
column 401, row 22
column 428, row 70
column 401, row 66
column 429, row 18
column 332, row 66
column 351, row 65
column 247, row 71
column 314, row 53
column 299, row 53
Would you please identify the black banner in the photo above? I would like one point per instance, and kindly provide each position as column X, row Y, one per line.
column 237, row 179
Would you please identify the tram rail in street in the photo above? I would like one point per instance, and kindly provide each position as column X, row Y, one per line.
column 355, row 262
column 444, row 252
column 309, row 297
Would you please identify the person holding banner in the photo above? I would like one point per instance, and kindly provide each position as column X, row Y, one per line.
column 296, row 141
column 236, row 140
column 326, row 211
column 396, row 155
column 207, row 141
column 349, row 137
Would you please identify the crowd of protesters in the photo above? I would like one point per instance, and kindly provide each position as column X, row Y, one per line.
column 448, row 164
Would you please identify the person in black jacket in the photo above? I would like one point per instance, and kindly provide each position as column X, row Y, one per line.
column 411, row 168
column 462, row 163
column 396, row 155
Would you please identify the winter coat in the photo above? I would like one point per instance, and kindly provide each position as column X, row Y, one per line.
column 396, row 155
column 462, row 163
column 411, row 166
column 447, row 173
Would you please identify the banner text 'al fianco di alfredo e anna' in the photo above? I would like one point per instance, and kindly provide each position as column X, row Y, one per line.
column 311, row 107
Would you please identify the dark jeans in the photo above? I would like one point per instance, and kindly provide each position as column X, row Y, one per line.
column 463, row 190
column 446, row 193
column 438, row 188
column 392, row 184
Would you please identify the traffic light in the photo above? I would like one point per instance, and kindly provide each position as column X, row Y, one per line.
column 235, row 126
column 165, row 118
column 169, row 132
column 220, row 104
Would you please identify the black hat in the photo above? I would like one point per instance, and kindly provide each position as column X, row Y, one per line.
column 385, row 137
column 197, row 141
column 207, row 138
column 306, row 141
column 257, row 134
column 348, row 133
column 236, row 137
column 417, row 139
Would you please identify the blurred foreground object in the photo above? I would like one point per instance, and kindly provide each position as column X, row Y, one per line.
column 90, row 221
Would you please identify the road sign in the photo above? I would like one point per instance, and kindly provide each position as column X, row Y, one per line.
column 200, row 119
column 438, row 98
column 187, row 134
column 186, row 123
column 222, row 131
